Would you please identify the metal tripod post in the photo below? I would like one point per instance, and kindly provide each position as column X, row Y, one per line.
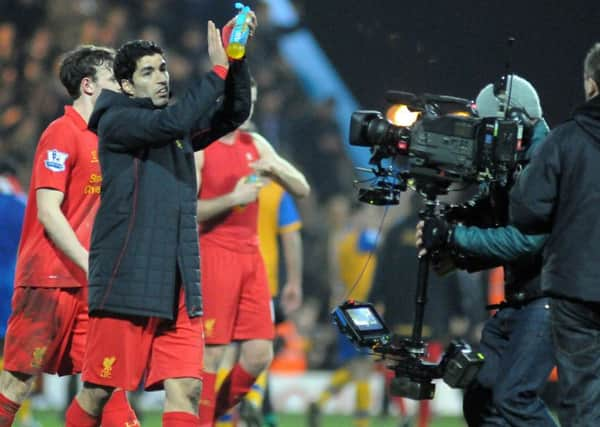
column 422, row 278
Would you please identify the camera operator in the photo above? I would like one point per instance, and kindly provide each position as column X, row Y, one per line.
column 516, row 341
column 559, row 194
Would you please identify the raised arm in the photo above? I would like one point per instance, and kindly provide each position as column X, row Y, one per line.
column 236, row 104
column 276, row 167
column 230, row 113
column 127, row 124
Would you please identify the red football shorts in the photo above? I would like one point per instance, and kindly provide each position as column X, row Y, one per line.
column 235, row 295
column 121, row 349
column 46, row 331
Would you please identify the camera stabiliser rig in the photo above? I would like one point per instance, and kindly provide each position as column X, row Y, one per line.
column 364, row 327
column 447, row 144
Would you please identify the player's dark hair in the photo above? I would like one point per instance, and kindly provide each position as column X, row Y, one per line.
column 128, row 55
column 82, row 62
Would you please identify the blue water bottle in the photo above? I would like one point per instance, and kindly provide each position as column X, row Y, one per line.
column 239, row 35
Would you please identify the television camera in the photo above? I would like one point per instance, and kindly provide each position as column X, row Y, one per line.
column 447, row 144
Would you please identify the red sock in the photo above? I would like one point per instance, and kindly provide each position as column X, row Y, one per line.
column 179, row 419
column 117, row 412
column 400, row 405
column 424, row 413
column 77, row 417
column 8, row 409
column 434, row 350
column 206, row 409
column 234, row 388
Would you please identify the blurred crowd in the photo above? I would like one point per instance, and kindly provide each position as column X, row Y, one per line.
column 33, row 34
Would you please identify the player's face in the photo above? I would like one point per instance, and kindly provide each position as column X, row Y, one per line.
column 105, row 79
column 151, row 79
column 590, row 87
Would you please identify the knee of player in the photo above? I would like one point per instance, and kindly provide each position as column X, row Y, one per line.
column 93, row 397
column 213, row 355
column 183, row 392
column 192, row 392
column 257, row 357
column 16, row 386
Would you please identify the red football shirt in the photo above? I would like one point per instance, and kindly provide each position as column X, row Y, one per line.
column 224, row 165
column 66, row 160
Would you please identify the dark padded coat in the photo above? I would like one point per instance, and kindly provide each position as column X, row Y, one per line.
column 559, row 193
column 145, row 241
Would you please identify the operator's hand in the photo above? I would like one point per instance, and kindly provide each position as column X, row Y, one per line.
column 455, row 212
column 291, row 297
column 216, row 51
column 432, row 234
column 246, row 192
column 442, row 263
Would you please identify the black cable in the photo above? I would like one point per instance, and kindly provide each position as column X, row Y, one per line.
column 360, row 275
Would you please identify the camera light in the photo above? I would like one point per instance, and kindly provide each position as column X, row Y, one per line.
column 400, row 115
column 461, row 114
column 403, row 146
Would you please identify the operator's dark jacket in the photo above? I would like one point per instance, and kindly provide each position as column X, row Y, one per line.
column 559, row 193
column 502, row 244
column 146, row 228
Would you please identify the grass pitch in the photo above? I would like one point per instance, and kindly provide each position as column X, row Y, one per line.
column 153, row 419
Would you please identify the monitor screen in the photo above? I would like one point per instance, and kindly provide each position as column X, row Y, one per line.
column 364, row 319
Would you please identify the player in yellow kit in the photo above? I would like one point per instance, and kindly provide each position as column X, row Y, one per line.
column 355, row 262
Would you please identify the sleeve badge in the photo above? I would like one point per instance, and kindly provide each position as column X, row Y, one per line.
column 56, row 161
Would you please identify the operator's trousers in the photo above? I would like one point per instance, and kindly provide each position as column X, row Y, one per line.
column 576, row 335
column 517, row 345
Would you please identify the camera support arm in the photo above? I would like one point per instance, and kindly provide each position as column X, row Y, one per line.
column 423, row 275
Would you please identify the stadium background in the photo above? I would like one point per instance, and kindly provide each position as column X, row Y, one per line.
column 314, row 62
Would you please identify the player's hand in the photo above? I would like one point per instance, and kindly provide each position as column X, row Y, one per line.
column 251, row 21
column 246, row 192
column 291, row 297
column 216, row 51
column 266, row 166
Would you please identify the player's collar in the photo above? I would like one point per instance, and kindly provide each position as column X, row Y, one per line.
column 71, row 113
